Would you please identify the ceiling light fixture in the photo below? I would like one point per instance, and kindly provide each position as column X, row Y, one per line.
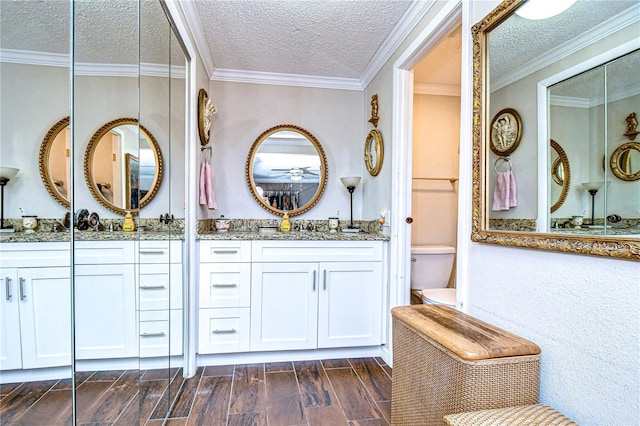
column 296, row 178
column 543, row 9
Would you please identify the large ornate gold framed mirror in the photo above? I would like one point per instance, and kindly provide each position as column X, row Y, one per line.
column 123, row 165
column 54, row 162
column 286, row 170
column 515, row 67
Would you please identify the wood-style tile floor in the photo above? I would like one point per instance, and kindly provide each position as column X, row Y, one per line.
column 355, row 391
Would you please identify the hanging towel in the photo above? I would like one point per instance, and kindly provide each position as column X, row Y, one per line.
column 206, row 187
column 504, row 192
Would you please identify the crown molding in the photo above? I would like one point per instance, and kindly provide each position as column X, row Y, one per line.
column 605, row 29
column 197, row 32
column 27, row 57
column 241, row 76
column 569, row 101
column 437, row 89
column 408, row 22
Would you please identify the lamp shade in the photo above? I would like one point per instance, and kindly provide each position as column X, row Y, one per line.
column 589, row 186
column 350, row 181
column 8, row 172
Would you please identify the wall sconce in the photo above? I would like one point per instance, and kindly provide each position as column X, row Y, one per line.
column 6, row 174
column 351, row 182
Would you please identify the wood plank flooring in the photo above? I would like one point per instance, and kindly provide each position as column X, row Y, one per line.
column 355, row 391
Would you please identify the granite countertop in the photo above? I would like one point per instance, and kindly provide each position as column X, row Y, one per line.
column 294, row 236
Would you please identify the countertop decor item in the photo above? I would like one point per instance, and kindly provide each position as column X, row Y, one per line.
column 6, row 174
column 333, row 224
column 222, row 224
column 351, row 182
column 506, row 132
column 30, row 223
column 374, row 152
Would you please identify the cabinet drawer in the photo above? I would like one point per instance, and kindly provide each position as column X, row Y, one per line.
column 104, row 252
column 161, row 333
column 225, row 251
column 19, row 255
column 225, row 285
column 316, row 251
column 160, row 286
column 164, row 251
column 223, row 330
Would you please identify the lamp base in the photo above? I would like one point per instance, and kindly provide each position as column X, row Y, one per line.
column 8, row 229
column 350, row 230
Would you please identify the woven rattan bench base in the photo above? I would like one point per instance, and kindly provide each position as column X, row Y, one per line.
column 530, row 415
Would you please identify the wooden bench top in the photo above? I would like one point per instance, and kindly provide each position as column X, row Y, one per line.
column 468, row 337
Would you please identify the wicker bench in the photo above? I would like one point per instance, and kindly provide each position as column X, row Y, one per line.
column 447, row 362
column 530, row 415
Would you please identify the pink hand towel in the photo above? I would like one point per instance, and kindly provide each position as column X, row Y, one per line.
column 504, row 193
column 203, row 191
column 513, row 200
column 211, row 201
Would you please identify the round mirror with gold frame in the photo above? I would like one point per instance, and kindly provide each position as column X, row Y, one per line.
column 374, row 152
column 123, row 165
column 560, row 175
column 286, row 170
column 625, row 161
column 54, row 161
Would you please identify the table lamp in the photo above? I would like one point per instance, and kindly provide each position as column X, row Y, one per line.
column 351, row 182
column 6, row 174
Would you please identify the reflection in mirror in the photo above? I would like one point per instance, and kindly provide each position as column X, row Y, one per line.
column 123, row 165
column 508, row 76
column 625, row 161
column 560, row 176
column 54, row 161
column 286, row 170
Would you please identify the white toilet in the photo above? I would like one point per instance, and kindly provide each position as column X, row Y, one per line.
column 431, row 268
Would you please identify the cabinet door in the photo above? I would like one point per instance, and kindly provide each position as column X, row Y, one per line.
column 350, row 304
column 105, row 306
column 10, row 348
column 45, row 316
column 284, row 298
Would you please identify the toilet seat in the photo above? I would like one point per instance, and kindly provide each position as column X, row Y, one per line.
column 439, row 296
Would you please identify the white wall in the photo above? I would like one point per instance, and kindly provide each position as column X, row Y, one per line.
column 581, row 310
column 245, row 110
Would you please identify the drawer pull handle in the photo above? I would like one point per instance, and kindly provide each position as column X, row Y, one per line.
column 152, row 287
column 229, row 331
column 160, row 334
column 314, row 280
column 225, row 251
column 7, row 283
column 152, row 251
column 224, row 285
column 324, row 279
column 22, row 293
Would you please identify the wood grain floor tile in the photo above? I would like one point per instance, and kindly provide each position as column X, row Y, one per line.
column 105, row 376
column 7, row 388
column 169, row 395
column 53, row 409
column 374, row 378
column 248, row 419
column 284, row 405
column 380, row 361
column 113, row 402
column 314, row 384
column 336, row 363
column 369, row 422
column 275, row 367
column 218, row 370
column 329, row 415
column 170, row 422
column 159, row 374
column 184, row 400
column 352, row 395
column 385, row 408
column 88, row 396
column 387, row 370
column 15, row 404
column 248, row 389
column 211, row 402
column 140, row 408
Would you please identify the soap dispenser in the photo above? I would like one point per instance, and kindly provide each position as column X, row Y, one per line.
column 129, row 225
column 285, row 223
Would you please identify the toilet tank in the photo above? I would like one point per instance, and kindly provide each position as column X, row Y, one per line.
column 431, row 266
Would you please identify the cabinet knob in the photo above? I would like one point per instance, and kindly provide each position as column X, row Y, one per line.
column 409, row 220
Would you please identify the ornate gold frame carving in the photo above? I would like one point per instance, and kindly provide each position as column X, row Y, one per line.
column 589, row 245
column 614, row 163
column 43, row 161
column 374, row 152
column 566, row 178
column 88, row 160
column 206, row 111
column 324, row 172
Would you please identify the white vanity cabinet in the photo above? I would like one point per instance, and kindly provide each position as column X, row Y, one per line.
column 316, row 294
column 224, row 296
column 35, row 314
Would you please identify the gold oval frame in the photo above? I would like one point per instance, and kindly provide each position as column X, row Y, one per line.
column 374, row 146
column 516, row 117
column 609, row 246
column 202, row 99
column 324, row 172
column 43, row 161
column 88, row 161
column 616, row 156
column 566, row 181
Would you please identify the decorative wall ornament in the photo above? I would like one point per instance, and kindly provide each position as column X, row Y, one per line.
column 206, row 111
column 506, row 132
column 374, row 111
column 632, row 125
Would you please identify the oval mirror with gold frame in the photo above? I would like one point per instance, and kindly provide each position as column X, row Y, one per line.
column 374, row 152
column 625, row 161
column 123, row 165
column 286, row 170
column 54, row 162
column 560, row 175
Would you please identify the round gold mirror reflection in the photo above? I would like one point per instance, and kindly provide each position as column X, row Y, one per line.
column 625, row 161
column 54, row 162
column 123, row 166
column 560, row 174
